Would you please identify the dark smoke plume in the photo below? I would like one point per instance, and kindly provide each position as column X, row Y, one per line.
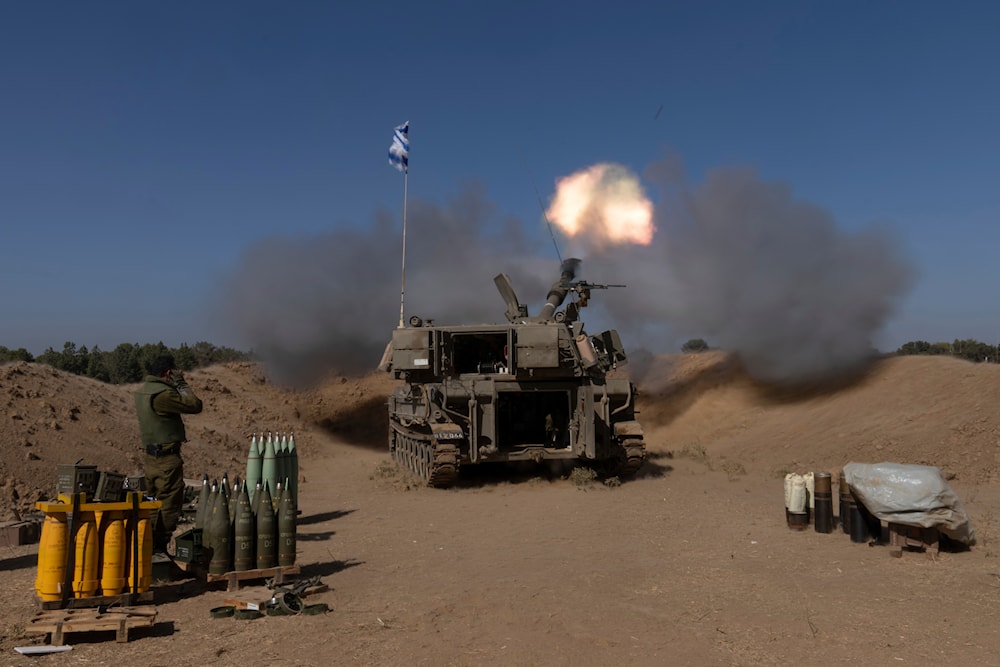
column 742, row 264
column 316, row 305
column 736, row 261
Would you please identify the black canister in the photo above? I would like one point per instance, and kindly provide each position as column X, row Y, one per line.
column 860, row 521
column 823, row 502
column 845, row 504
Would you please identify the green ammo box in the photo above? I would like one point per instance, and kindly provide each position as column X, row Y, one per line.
column 135, row 483
column 187, row 546
column 76, row 478
column 109, row 487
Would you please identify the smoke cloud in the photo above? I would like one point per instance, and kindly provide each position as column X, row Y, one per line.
column 735, row 260
column 312, row 306
column 750, row 269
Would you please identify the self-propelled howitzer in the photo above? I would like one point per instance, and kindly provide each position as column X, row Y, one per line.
column 534, row 389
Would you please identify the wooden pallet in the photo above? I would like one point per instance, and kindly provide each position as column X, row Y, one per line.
column 61, row 622
column 234, row 578
column 122, row 600
column 903, row 537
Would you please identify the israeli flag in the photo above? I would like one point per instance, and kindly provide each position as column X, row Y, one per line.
column 399, row 151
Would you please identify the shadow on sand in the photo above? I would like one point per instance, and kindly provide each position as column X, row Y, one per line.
column 19, row 562
column 329, row 567
column 322, row 517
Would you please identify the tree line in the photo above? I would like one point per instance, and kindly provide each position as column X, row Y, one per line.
column 970, row 349
column 128, row 362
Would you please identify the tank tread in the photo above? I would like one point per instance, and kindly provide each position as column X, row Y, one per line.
column 630, row 459
column 444, row 472
column 433, row 463
column 635, row 456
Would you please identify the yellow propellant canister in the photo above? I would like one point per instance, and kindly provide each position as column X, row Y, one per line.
column 139, row 571
column 85, row 580
column 112, row 532
column 52, row 548
column 95, row 538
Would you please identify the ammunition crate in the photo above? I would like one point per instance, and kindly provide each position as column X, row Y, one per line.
column 109, row 487
column 187, row 546
column 76, row 478
column 136, row 483
column 16, row 533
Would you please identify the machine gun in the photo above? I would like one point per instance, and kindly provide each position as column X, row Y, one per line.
column 582, row 288
column 516, row 311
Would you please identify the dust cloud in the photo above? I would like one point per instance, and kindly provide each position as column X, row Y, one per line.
column 735, row 260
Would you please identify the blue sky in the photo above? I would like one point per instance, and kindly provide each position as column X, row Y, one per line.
column 149, row 152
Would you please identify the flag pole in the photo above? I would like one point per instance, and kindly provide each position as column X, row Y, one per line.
column 402, row 280
column 399, row 157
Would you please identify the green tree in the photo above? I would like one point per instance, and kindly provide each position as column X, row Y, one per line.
column 97, row 366
column 694, row 345
column 204, row 353
column 128, row 362
column 20, row 354
column 49, row 357
column 78, row 361
column 227, row 354
column 123, row 364
column 149, row 352
column 914, row 347
column 973, row 350
column 969, row 348
column 71, row 359
column 185, row 358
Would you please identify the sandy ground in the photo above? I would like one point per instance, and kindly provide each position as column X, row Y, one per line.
column 690, row 563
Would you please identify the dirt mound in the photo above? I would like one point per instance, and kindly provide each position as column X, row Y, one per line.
column 49, row 417
column 927, row 410
column 352, row 409
column 924, row 410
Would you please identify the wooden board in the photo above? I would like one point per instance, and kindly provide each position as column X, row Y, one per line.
column 253, row 597
column 123, row 600
column 60, row 622
column 234, row 578
column 913, row 537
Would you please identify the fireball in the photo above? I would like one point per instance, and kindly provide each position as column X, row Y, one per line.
column 602, row 204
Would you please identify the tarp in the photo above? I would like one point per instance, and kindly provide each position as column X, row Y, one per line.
column 912, row 495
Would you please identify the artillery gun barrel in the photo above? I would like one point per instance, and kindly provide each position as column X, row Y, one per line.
column 559, row 290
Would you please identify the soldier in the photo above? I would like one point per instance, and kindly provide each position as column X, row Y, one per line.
column 159, row 403
column 551, row 432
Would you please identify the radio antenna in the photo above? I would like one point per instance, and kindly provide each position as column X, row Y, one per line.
column 541, row 205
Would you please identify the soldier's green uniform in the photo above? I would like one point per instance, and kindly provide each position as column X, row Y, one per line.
column 159, row 403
